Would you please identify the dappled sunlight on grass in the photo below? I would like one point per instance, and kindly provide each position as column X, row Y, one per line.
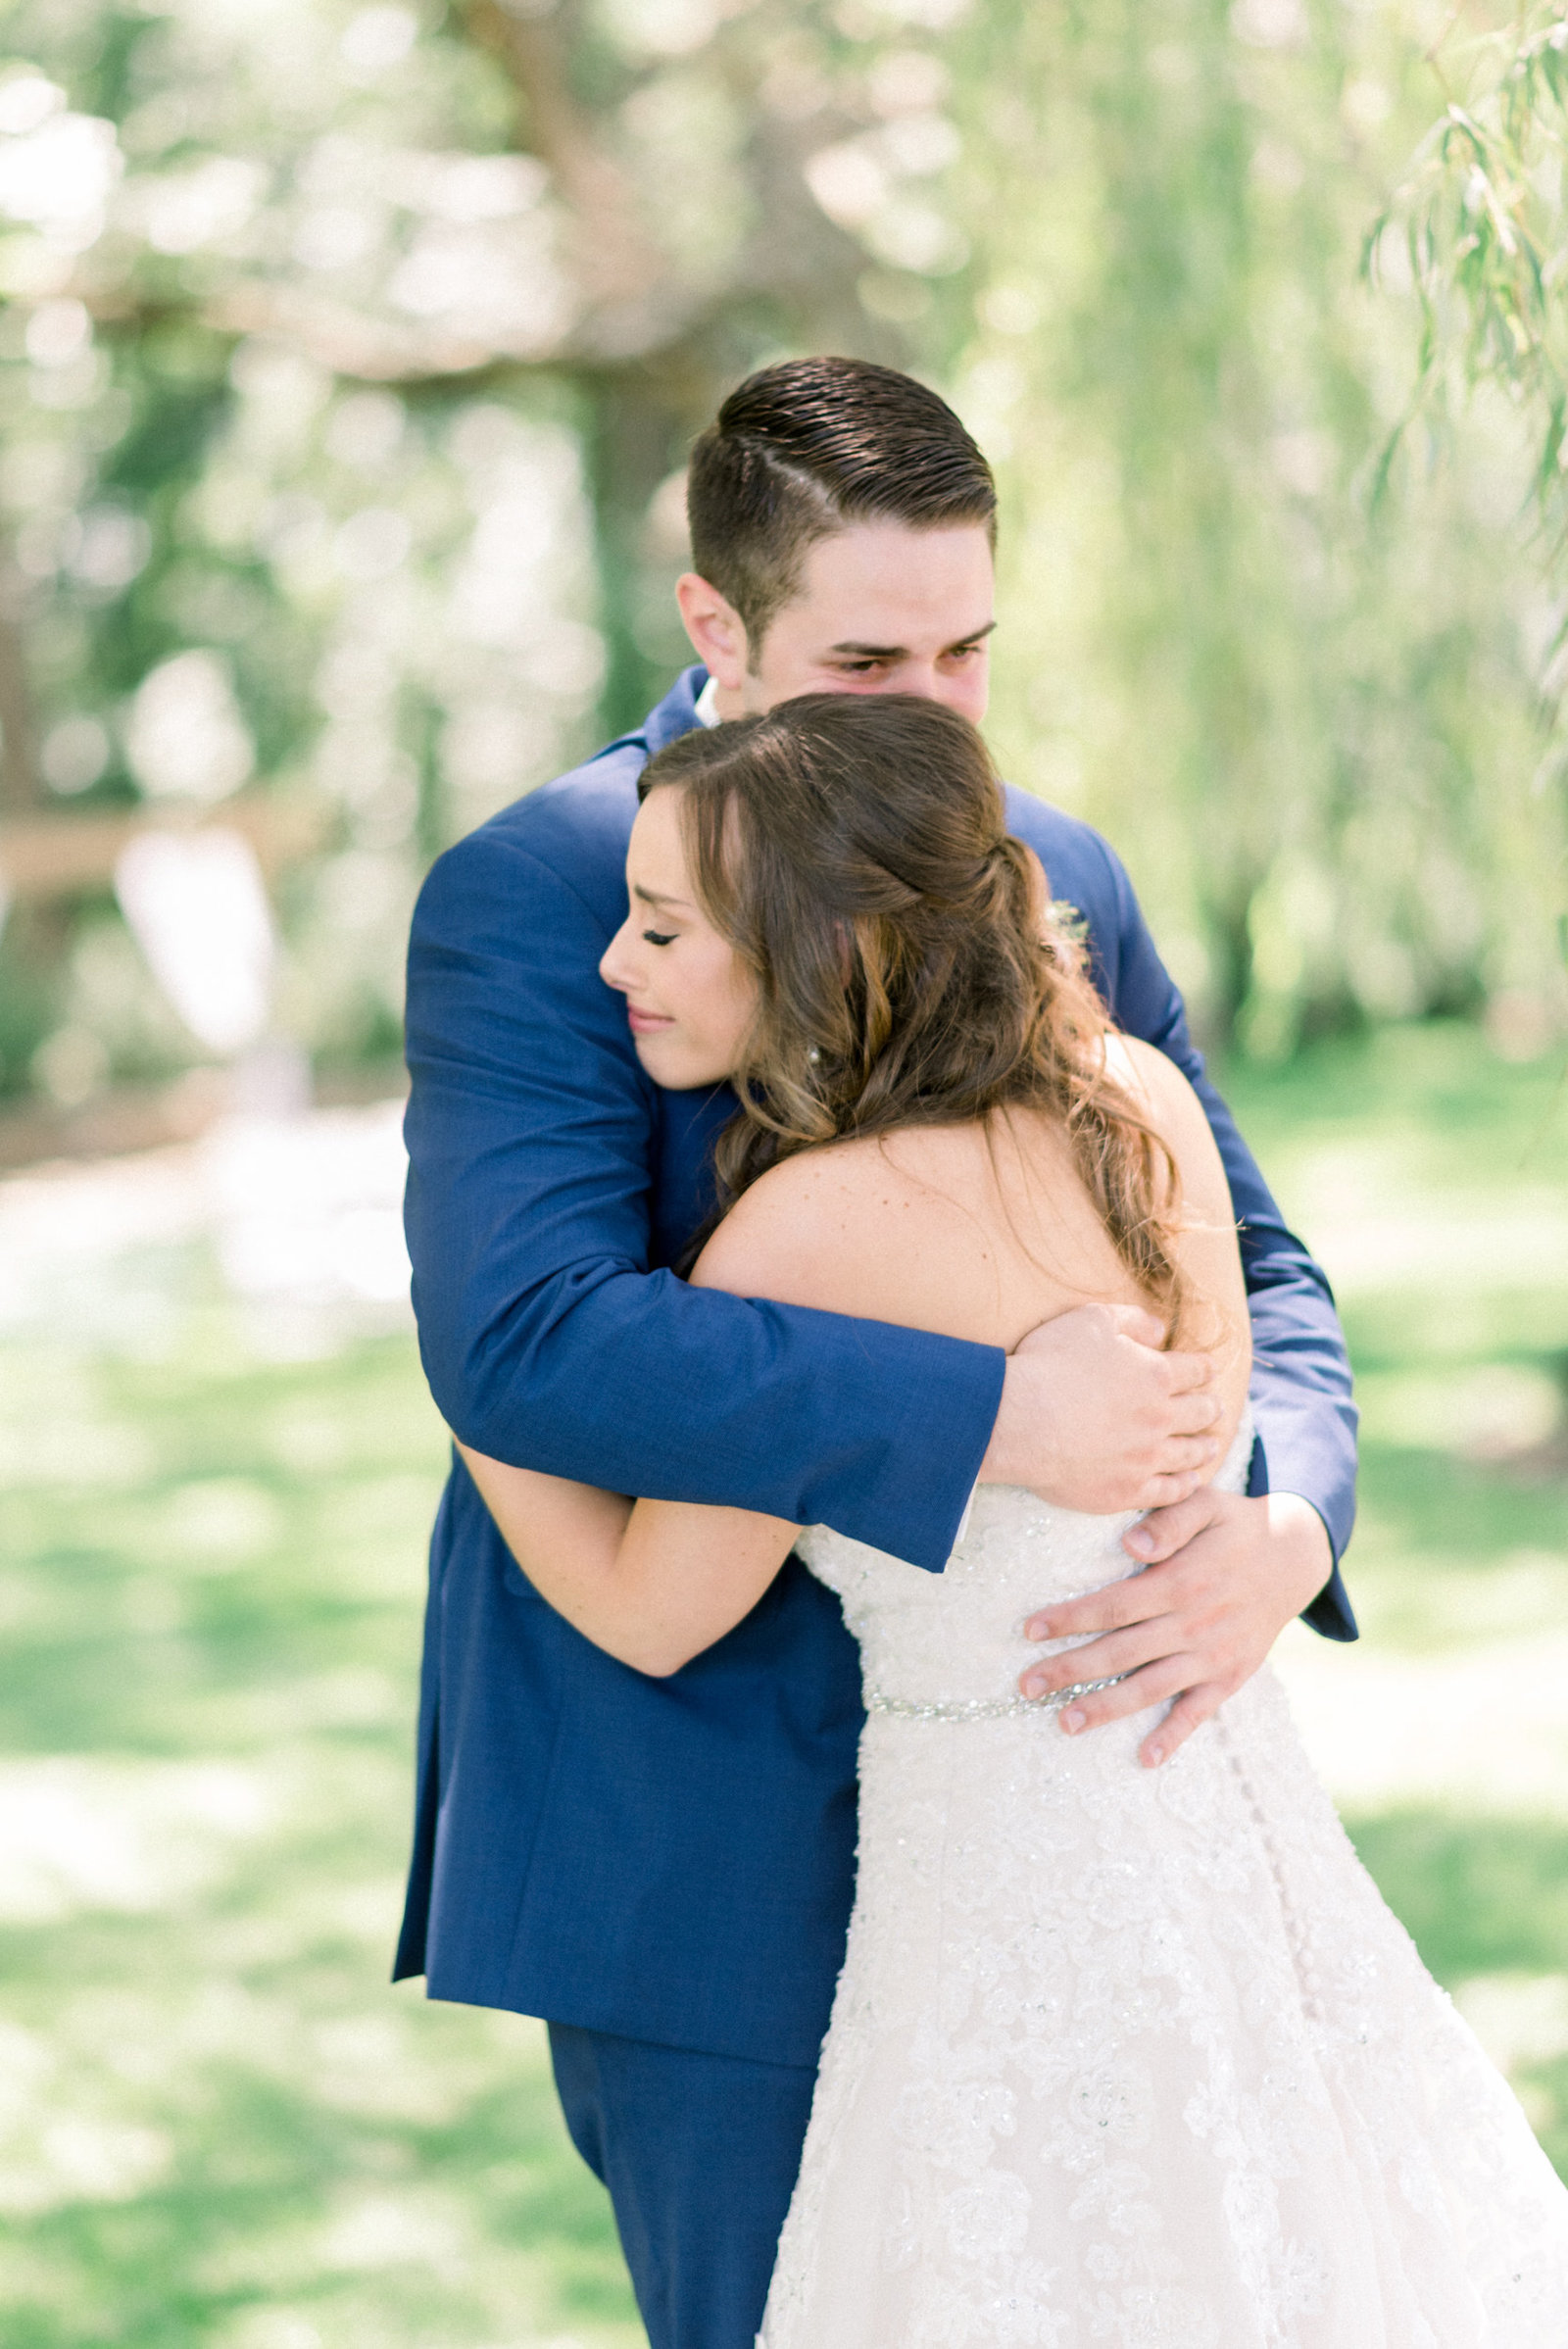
column 1430, row 1178
column 219, row 2125
column 1487, row 1900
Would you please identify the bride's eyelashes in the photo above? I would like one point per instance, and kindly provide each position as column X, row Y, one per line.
column 661, row 937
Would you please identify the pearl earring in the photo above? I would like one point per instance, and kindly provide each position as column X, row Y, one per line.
column 814, row 1056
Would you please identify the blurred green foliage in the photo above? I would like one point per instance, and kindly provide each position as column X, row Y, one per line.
column 350, row 355
column 221, row 2126
column 1481, row 218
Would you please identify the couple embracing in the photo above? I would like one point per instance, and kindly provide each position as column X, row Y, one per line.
column 877, row 1366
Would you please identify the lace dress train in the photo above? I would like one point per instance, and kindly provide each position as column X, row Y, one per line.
column 1128, row 2057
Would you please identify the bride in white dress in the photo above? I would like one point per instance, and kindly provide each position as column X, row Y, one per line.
column 1118, row 2055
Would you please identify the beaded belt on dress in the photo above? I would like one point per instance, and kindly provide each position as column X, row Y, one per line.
column 982, row 1708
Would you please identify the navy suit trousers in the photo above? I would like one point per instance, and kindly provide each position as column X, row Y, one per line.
column 700, row 2154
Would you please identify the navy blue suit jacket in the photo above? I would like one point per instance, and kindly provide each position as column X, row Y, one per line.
column 673, row 1859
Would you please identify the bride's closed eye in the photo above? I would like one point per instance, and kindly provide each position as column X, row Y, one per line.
column 661, row 937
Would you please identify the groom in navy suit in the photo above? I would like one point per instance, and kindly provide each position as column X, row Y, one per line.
column 663, row 1868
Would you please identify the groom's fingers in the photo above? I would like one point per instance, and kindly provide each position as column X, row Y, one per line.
column 1186, row 1374
column 1166, row 1529
column 1190, row 1710
column 1164, row 1491
column 1167, row 1677
column 1194, row 1411
column 1137, row 1597
column 1185, row 1462
column 1182, row 1369
column 1182, row 1456
column 1137, row 1323
column 1164, row 1677
column 1140, row 1645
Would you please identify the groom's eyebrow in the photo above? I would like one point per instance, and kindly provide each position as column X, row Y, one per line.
column 859, row 651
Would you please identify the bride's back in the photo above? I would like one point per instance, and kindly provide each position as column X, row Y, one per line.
column 982, row 1232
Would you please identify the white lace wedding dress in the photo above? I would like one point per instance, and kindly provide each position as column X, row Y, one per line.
column 1130, row 2057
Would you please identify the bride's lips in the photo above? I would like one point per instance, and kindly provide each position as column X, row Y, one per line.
column 647, row 1023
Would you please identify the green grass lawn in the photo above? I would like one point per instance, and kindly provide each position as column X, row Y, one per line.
column 1433, row 1179
column 217, row 2122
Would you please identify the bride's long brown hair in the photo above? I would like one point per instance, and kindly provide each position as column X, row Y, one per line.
column 855, row 851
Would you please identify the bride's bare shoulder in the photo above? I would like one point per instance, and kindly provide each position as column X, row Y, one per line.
column 1159, row 1089
column 849, row 1228
column 1144, row 1071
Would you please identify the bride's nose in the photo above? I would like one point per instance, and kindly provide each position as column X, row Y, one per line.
column 614, row 964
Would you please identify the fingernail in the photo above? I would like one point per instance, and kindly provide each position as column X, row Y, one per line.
column 1034, row 1688
column 1140, row 1539
column 1040, row 1629
column 1157, row 1754
column 1073, row 1721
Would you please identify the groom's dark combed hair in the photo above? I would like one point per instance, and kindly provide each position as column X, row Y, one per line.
column 803, row 450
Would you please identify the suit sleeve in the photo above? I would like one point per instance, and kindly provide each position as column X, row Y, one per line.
column 547, row 1339
column 1301, row 1389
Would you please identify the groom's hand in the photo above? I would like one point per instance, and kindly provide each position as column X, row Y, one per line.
column 1094, row 1417
column 1224, row 1576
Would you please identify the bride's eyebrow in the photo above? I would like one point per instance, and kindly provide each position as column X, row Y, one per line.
column 658, row 897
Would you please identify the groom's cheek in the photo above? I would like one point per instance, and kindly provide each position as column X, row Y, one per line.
column 974, row 696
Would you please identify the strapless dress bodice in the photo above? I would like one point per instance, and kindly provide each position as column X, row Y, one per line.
column 957, row 1638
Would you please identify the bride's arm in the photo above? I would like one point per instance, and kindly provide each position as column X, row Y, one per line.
column 652, row 1582
column 655, row 1581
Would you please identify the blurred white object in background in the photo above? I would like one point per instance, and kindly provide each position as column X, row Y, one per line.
column 196, row 904
column 187, row 739
column 301, row 1218
column 309, row 1214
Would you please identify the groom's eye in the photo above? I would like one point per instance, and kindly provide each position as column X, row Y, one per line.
column 661, row 937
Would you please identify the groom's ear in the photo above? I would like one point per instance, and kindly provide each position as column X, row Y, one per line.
column 716, row 630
